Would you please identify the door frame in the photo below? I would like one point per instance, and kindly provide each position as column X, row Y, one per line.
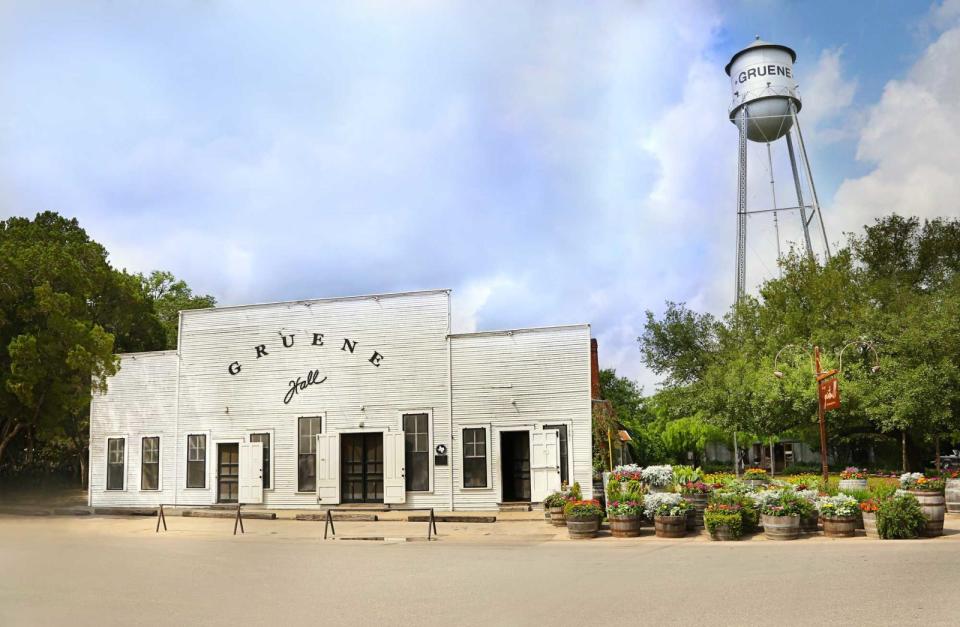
column 499, row 479
column 215, row 468
column 341, row 433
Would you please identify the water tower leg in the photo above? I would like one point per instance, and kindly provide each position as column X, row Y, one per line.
column 796, row 182
column 742, row 208
column 813, row 187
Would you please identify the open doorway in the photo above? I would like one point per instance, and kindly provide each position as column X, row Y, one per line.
column 515, row 466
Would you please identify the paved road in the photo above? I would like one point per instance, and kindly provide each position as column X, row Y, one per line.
column 98, row 571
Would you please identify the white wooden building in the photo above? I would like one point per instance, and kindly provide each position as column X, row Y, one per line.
column 365, row 399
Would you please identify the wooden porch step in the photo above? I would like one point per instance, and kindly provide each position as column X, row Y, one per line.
column 515, row 507
column 322, row 517
column 212, row 513
column 452, row 518
column 125, row 511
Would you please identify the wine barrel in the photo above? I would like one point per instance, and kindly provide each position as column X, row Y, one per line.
column 870, row 524
column 781, row 527
column 695, row 517
column 754, row 483
column 934, row 506
column 839, row 527
column 852, row 484
column 670, row 526
column 722, row 533
column 583, row 528
column 953, row 496
column 557, row 518
column 624, row 526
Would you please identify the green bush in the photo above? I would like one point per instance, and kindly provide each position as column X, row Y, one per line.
column 575, row 493
column 557, row 499
column 749, row 513
column 860, row 495
column 900, row 517
column 732, row 518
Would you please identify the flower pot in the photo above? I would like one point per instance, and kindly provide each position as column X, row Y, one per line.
column 870, row 524
column 583, row 528
column 695, row 517
column 839, row 526
column 556, row 517
column 810, row 523
column 853, row 484
column 670, row 526
column 933, row 506
column 722, row 533
column 755, row 483
column 656, row 488
column 953, row 496
column 781, row 527
column 624, row 526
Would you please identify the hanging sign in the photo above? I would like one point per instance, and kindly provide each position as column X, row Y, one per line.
column 830, row 393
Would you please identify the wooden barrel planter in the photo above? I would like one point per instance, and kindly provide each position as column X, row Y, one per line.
column 670, row 526
column 583, row 528
column 839, row 527
column 755, row 483
column 870, row 524
column 934, row 506
column 953, row 496
column 810, row 523
column 695, row 516
column 781, row 527
column 624, row 526
column 722, row 533
column 852, row 484
column 557, row 518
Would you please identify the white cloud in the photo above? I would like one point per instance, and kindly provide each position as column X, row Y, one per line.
column 827, row 95
column 912, row 140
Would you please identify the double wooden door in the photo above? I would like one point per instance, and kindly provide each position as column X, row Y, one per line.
column 361, row 459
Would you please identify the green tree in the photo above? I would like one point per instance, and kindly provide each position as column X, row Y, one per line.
column 169, row 296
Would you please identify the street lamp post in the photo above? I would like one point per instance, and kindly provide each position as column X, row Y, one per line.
column 823, row 378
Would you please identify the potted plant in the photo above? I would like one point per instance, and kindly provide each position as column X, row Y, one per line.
column 553, row 505
column 624, row 504
column 839, row 515
column 669, row 512
column 755, row 477
column 929, row 494
column 868, row 510
column 744, row 505
column 853, row 478
column 724, row 522
column 781, row 518
column 900, row 517
column 658, row 478
column 697, row 493
column 583, row 518
column 952, row 496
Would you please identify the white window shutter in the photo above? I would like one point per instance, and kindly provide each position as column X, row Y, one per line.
column 251, row 472
column 394, row 476
column 544, row 463
column 328, row 468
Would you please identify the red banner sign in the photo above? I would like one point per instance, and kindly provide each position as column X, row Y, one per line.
column 830, row 394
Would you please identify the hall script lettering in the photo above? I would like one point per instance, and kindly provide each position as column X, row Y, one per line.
column 298, row 385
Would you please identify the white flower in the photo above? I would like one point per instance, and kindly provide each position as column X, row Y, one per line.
column 842, row 505
column 808, row 495
column 653, row 500
column 658, row 476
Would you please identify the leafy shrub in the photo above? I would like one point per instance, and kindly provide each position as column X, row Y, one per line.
column 900, row 517
column 575, row 493
column 805, row 482
column 754, row 474
column 883, row 491
column 625, row 508
column 582, row 509
column 719, row 515
column 624, row 490
column 859, row 495
column 557, row 499
column 686, row 474
column 658, row 476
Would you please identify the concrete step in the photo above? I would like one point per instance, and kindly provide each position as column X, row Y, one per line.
column 24, row 510
column 71, row 511
column 124, row 511
column 514, row 507
column 340, row 516
column 212, row 513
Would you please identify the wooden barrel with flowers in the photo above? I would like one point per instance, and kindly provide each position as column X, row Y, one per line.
column 870, row 524
column 839, row 526
column 953, row 496
column 933, row 506
column 670, row 526
column 625, row 526
column 553, row 508
column 781, row 527
column 583, row 518
column 697, row 494
column 852, row 484
column 556, row 517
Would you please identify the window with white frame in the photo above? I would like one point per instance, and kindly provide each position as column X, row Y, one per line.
column 197, row 461
column 150, row 463
column 116, row 447
column 475, row 457
column 416, row 430
column 307, row 429
column 264, row 438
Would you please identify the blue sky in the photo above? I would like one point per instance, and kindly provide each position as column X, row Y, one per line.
column 551, row 162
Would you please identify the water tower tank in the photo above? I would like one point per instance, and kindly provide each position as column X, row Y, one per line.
column 761, row 79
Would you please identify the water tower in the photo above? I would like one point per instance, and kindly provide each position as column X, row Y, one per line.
column 764, row 109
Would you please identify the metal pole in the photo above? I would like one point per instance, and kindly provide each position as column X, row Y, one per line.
column 736, row 455
column 813, row 187
column 742, row 209
column 824, row 466
column 796, row 182
column 773, row 191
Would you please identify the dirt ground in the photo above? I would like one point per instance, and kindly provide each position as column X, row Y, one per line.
column 118, row 571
